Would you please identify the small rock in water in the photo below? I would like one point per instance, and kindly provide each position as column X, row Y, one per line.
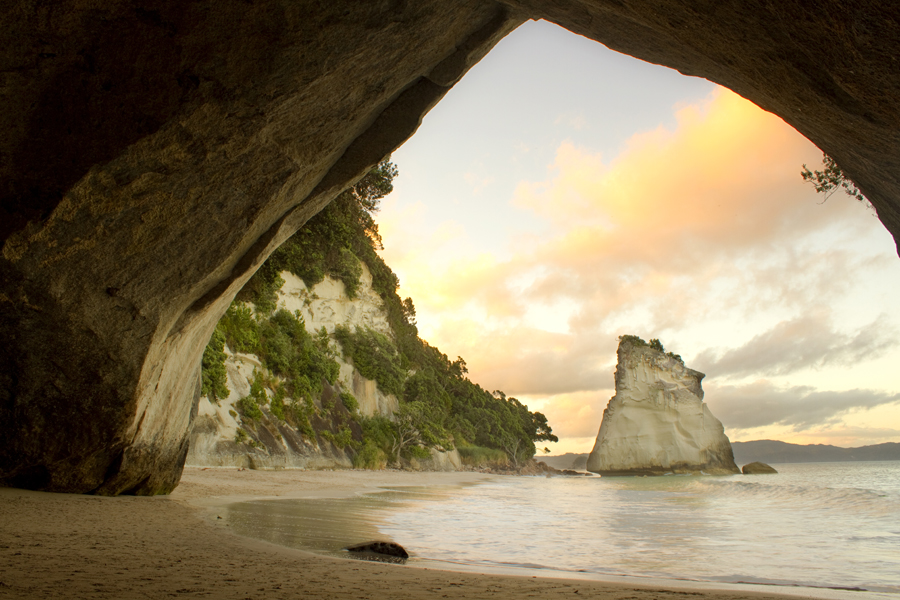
column 382, row 551
column 757, row 468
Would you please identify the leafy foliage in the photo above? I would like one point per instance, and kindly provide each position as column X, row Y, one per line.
column 349, row 401
column 288, row 350
column 249, row 405
column 341, row 439
column 632, row 339
column 240, row 328
column 375, row 356
column 213, row 382
column 831, row 179
column 439, row 406
column 479, row 456
column 370, row 456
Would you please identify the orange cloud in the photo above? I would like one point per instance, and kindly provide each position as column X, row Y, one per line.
column 709, row 221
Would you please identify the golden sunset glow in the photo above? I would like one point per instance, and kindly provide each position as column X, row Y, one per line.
column 699, row 234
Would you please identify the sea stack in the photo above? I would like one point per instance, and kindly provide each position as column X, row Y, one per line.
column 657, row 422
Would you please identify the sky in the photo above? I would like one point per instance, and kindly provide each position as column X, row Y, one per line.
column 562, row 195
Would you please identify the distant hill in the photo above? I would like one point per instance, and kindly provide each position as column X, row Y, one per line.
column 772, row 451
column 568, row 460
column 767, row 451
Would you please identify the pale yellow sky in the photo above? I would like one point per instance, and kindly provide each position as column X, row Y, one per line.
column 530, row 257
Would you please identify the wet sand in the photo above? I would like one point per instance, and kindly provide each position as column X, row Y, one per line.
column 68, row 546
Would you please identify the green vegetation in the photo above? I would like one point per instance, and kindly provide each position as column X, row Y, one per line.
column 341, row 439
column 249, row 405
column 213, row 383
column 350, row 402
column 654, row 343
column 375, row 356
column 370, row 456
column 479, row 456
column 831, row 179
column 439, row 406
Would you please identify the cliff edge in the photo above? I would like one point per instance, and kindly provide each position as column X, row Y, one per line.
column 657, row 422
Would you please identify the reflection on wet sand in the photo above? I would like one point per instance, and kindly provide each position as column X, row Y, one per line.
column 329, row 526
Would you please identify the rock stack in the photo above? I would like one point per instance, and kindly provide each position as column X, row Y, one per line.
column 657, row 422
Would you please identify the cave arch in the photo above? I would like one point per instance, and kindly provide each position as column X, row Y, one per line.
column 156, row 152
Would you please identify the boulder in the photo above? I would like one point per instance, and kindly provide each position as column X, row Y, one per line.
column 657, row 422
column 380, row 551
column 757, row 468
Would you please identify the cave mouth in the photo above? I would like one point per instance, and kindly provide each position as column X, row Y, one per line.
column 168, row 116
column 518, row 136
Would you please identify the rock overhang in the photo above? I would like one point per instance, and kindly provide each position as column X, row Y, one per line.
column 156, row 152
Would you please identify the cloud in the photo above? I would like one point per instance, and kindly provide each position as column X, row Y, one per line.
column 706, row 227
column 762, row 403
column 529, row 361
column 574, row 415
column 808, row 341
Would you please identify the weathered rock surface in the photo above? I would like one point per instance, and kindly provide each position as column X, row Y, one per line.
column 758, row 468
column 155, row 152
column 272, row 443
column 383, row 551
column 657, row 422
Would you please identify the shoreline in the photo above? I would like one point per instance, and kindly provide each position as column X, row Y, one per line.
column 63, row 545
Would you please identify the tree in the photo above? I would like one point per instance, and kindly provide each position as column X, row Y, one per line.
column 408, row 425
column 213, row 383
column 831, row 179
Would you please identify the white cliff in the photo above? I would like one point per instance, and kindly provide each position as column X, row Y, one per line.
column 657, row 421
column 277, row 445
column 327, row 305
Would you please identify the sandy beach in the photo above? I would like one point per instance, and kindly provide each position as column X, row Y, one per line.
column 68, row 546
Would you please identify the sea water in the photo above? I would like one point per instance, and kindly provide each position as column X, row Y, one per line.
column 814, row 525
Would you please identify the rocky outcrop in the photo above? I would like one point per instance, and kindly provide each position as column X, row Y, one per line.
column 267, row 442
column 222, row 437
column 380, row 551
column 154, row 153
column 657, row 422
column 758, row 468
column 270, row 442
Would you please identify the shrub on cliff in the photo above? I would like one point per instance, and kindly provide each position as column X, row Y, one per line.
column 375, row 356
column 289, row 351
column 213, row 382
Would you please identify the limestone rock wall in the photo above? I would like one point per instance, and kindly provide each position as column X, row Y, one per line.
column 657, row 422
column 270, row 442
column 154, row 154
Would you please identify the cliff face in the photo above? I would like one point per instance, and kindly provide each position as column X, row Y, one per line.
column 155, row 153
column 223, row 436
column 657, row 422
